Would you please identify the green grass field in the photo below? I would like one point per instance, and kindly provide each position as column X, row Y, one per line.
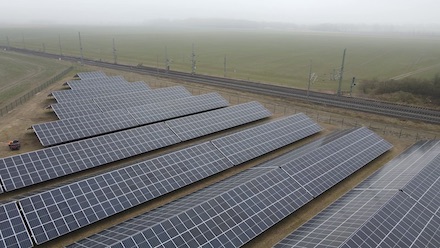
column 279, row 57
column 21, row 73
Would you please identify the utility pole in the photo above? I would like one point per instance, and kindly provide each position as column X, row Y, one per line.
column 157, row 64
column 341, row 73
column 310, row 78
column 44, row 48
column 59, row 42
column 167, row 61
column 7, row 41
column 224, row 68
column 353, row 83
column 81, row 48
column 193, row 61
column 115, row 57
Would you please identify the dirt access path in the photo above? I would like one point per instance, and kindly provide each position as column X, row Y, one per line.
column 411, row 73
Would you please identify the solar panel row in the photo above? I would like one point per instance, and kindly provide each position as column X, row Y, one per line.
column 13, row 232
column 34, row 167
column 194, row 126
column 395, row 207
column 96, row 82
column 331, row 227
column 402, row 222
column 55, row 212
column 80, row 94
column 42, row 165
column 65, row 130
column 227, row 214
column 331, row 163
column 62, row 210
column 260, row 140
column 115, row 102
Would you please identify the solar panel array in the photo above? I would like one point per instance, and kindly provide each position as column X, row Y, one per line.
column 402, row 222
column 194, row 126
column 55, row 212
column 96, row 82
column 115, row 102
column 331, row 227
column 227, row 214
column 89, row 75
column 61, row 131
column 398, row 206
column 331, row 163
column 13, row 232
column 175, row 108
column 42, row 165
column 61, row 210
column 38, row 166
column 262, row 139
column 90, row 93
column 65, row 130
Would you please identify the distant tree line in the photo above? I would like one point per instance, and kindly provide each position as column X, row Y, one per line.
column 426, row 88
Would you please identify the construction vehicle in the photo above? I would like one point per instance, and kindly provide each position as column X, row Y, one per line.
column 14, row 145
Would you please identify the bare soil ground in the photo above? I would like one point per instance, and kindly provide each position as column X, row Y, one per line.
column 15, row 124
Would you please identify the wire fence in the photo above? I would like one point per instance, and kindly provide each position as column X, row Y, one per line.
column 34, row 91
column 284, row 107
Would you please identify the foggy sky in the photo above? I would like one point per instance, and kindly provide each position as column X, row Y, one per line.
column 129, row 12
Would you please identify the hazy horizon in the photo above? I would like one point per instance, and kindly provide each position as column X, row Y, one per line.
column 136, row 12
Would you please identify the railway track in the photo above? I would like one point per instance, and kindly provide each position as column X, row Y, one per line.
column 364, row 105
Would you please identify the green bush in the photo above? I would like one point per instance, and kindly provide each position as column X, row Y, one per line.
column 424, row 88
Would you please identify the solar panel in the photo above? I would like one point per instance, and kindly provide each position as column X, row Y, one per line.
column 91, row 74
column 194, row 126
column 179, row 107
column 425, row 187
column 53, row 213
column 115, row 102
column 75, row 109
column 310, row 147
column 327, row 165
column 38, row 166
column 65, row 130
column 254, row 142
column 332, row 226
column 399, row 171
column 402, row 222
column 227, row 214
column 80, row 94
column 380, row 213
column 141, row 98
column 13, row 232
column 96, row 82
column 70, row 129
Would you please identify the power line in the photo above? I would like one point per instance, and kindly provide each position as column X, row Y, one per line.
column 224, row 68
column 81, row 48
column 115, row 57
column 341, row 73
column 193, row 61
column 59, row 42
